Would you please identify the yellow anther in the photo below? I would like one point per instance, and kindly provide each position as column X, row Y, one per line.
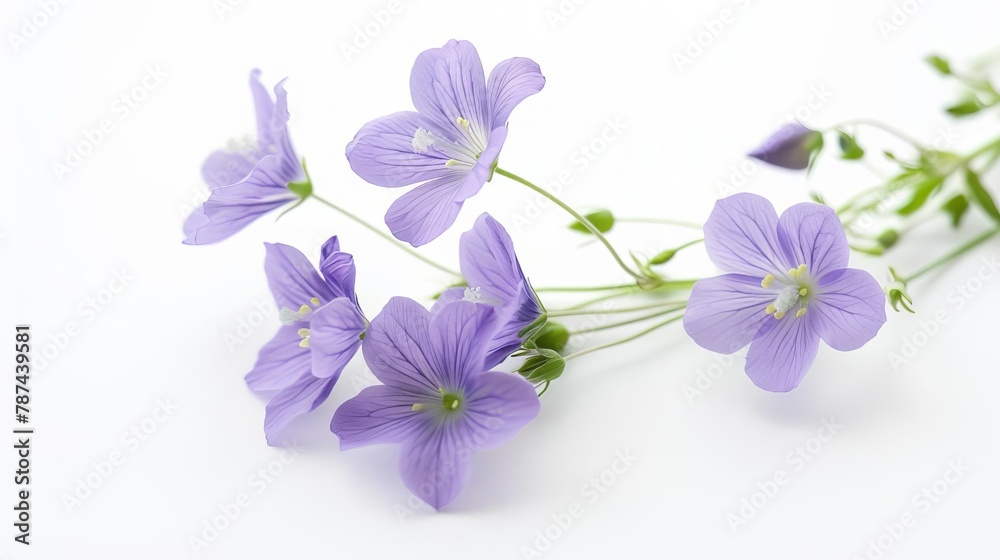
column 779, row 314
column 770, row 309
column 766, row 282
column 800, row 312
column 304, row 333
column 417, row 407
column 793, row 272
column 304, row 343
column 803, row 292
column 304, row 309
column 314, row 301
column 802, row 269
column 450, row 162
column 464, row 123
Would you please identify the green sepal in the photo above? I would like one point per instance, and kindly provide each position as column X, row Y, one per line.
column 529, row 332
column 896, row 291
column 849, row 148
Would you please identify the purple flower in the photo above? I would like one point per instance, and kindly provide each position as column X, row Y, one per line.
column 790, row 147
column 450, row 144
column 788, row 287
column 438, row 401
column 321, row 332
column 251, row 182
column 494, row 276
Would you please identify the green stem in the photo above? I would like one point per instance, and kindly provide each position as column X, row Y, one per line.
column 883, row 127
column 624, row 340
column 989, row 146
column 971, row 244
column 659, row 313
column 586, row 223
column 387, row 237
column 584, row 288
column 678, row 223
column 577, row 312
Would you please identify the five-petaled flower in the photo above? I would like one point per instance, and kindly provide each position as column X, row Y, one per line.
column 451, row 144
column 788, row 287
column 251, row 182
column 439, row 400
column 321, row 332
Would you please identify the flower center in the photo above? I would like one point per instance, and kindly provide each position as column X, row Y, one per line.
column 450, row 402
column 793, row 291
column 456, row 154
column 289, row 318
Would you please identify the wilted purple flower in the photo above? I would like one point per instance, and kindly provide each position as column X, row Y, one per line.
column 321, row 332
column 790, row 147
column 452, row 142
column 438, row 399
column 494, row 276
column 252, row 182
column 788, row 287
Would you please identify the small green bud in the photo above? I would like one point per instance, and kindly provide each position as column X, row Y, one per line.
column 888, row 238
column 545, row 366
column 552, row 336
column 663, row 257
column 603, row 220
column 939, row 64
column 849, row 148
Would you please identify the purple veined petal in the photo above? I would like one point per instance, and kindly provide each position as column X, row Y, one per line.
column 424, row 213
column 448, row 84
column 340, row 273
column 383, row 154
column 282, row 140
column 487, row 259
column 292, row 278
column 498, row 405
column 330, row 246
column 230, row 209
column 741, row 236
column 781, row 354
column 280, row 362
column 335, row 336
column 483, row 170
column 378, row 415
column 263, row 108
column 811, row 234
column 450, row 295
column 395, row 345
column 789, row 147
column 458, row 337
column 302, row 397
column 726, row 312
column 511, row 82
column 435, row 465
column 223, row 168
column 849, row 309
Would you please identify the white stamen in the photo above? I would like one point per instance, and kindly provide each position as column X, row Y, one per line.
column 472, row 294
column 787, row 298
column 422, row 141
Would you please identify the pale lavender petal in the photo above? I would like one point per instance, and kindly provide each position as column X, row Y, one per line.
column 263, row 108
column 498, row 405
column 424, row 213
column 448, row 84
column 487, row 259
column 511, row 82
column 272, row 127
column 849, row 308
column 435, row 465
column 280, row 362
column 448, row 296
column 741, row 236
column 781, row 354
column 459, row 336
column 330, row 246
column 395, row 346
column 382, row 152
column 378, row 415
column 811, row 234
column 725, row 313
column 223, row 168
column 292, row 278
column 340, row 273
column 790, row 147
column 335, row 336
column 303, row 396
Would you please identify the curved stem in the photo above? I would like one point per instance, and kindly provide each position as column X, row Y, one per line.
column 659, row 313
column 584, row 288
column 962, row 249
column 678, row 223
column 578, row 312
column 586, row 223
column 586, row 351
column 388, row 237
column 883, row 127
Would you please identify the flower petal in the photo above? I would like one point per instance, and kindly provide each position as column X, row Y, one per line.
column 377, row 415
column 338, row 269
column 498, row 405
column 849, row 309
column 292, row 278
column 280, row 362
column 223, row 168
column 382, row 152
column 725, row 313
column 272, row 127
column 448, row 84
column 335, row 336
column 812, row 234
column 435, row 465
column 741, row 236
column 511, row 82
column 790, row 147
column 487, row 259
column 459, row 336
column 303, row 396
column 395, row 346
column 424, row 213
column 781, row 354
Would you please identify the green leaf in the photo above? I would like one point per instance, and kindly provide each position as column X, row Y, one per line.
column 603, row 220
column 967, row 107
column 663, row 257
column 981, row 195
column 939, row 64
column 921, row 192
column 956, row 207
column 849, row 148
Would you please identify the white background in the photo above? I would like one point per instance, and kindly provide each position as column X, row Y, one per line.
column 164, row 336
